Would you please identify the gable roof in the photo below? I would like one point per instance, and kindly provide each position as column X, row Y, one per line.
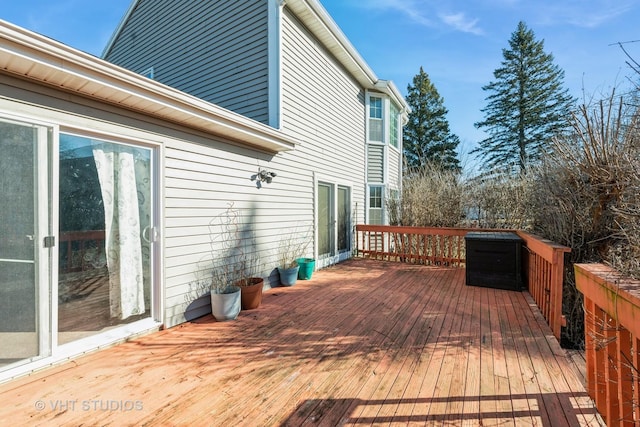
column 38, row 58
column 315, row 17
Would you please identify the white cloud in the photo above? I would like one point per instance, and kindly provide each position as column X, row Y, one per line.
column 424, row 11
column 580, row 13
column 460, row 22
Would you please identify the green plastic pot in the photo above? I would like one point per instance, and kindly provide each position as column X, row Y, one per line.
column 307, row 265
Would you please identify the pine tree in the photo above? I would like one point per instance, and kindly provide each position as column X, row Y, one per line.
column 526, row 107
column 426, row 136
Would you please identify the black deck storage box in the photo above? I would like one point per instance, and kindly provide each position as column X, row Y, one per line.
column 494, row 260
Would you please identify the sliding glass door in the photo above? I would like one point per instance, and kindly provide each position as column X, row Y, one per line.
column 106, row 236
column 24, row 228
column 334, row 223
column 102, row 254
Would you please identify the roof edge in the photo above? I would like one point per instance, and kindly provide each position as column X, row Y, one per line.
column 38, row 58
column 119, row 28
column 342, row 49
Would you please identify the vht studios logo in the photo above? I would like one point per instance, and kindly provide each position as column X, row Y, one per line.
column 60, row 405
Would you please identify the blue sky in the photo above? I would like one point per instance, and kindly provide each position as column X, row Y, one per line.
column 458, row 42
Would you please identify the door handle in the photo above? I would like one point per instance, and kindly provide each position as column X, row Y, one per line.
column 150, row 234
column 31, row 237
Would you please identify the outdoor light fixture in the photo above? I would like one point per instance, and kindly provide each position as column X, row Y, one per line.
column 263, row 175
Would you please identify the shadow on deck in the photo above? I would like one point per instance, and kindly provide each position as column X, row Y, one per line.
column 363, row 342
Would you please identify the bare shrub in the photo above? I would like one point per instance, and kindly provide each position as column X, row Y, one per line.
column 587, row 196
column 431, row 197
column 498, row 200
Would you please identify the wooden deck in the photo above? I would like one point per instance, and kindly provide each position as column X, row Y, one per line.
column 365, row 342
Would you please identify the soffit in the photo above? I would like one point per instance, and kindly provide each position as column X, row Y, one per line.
column 35, row 57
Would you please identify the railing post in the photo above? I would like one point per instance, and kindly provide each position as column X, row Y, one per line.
column 636, row 377
column 590, row 345
column 600, row 396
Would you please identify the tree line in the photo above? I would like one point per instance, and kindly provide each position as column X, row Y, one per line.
column 527, row 105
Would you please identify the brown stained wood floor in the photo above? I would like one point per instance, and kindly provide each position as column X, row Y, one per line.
column 362, row 343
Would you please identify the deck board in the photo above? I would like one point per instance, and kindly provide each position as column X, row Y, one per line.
column 363, row 343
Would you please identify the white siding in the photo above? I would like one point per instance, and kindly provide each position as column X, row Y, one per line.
column 201, row 174
column 200, row 181
column 375, row 163
column 324, row 108
column 205, row 48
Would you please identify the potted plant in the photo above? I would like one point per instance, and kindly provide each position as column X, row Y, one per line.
column 225, row 296
column 235, row 261
column 251, row 292
column 292, row 247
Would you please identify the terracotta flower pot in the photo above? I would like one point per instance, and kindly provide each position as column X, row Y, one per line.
column 251, row 293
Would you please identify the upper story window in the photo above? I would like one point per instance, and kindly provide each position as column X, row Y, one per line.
column 376, row 124
column 393, row 126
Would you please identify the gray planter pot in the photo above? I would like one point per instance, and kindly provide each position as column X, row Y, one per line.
column 288, row 276
column 226, row 306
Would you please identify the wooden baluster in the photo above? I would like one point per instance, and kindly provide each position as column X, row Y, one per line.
column 611, row 378
column 625, row 376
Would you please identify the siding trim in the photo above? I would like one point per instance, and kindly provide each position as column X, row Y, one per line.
column 275, row 63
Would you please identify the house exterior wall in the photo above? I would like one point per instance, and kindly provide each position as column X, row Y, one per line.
column 205, row 48
column 323, row 108
column 200, row 175
column 375, row 163
column 395, row 168
column 321, row 111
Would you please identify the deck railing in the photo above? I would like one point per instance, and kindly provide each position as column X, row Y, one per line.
column 418, row 245
column 543, row 260
column 74, row 246
column 543, row 263
column 612, row 342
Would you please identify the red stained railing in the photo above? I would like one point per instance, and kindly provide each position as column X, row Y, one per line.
column 543, row 262
column 612, row 342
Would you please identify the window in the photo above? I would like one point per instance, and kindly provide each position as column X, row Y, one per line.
column 375, row 205
column 393, row 126
column 149, row 73
column 376, row 124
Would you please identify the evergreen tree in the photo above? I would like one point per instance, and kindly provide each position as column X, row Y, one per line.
column 526, row 107
column 426, row 136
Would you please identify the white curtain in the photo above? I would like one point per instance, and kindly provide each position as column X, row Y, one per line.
column 123, row 228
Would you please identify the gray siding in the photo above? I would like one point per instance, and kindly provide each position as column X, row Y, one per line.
column 322, row 108
column 395, row 164
column 375, row 163
column 205, row 48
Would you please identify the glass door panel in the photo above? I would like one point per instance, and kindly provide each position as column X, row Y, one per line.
column 19, row 223
column 344, row 215
column 325, row 221
column 106, row 235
